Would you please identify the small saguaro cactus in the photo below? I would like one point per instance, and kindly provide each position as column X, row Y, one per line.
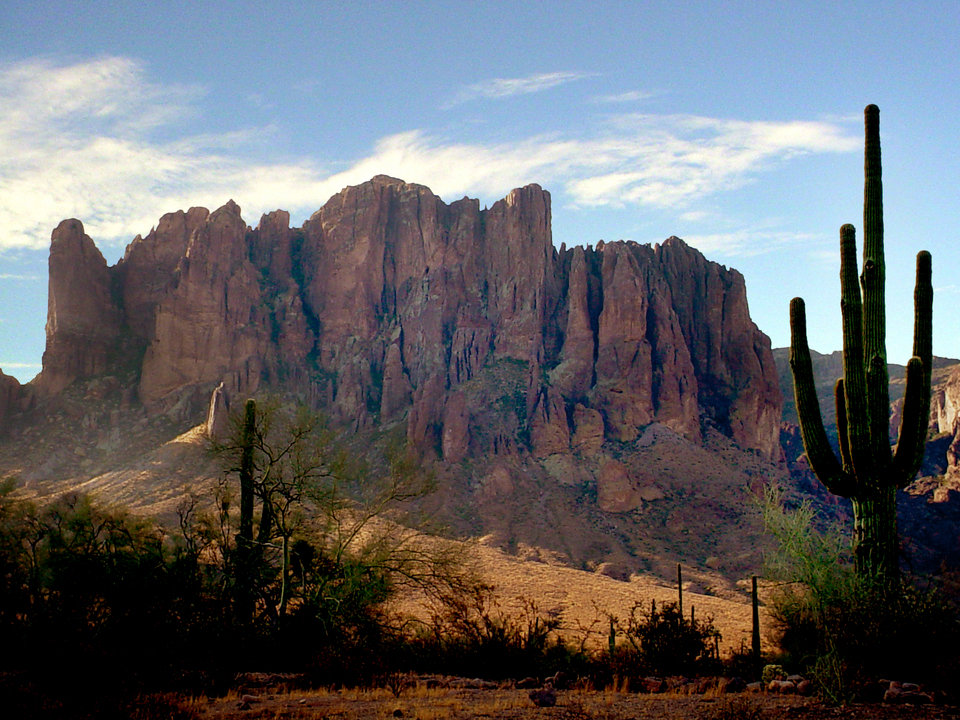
column 869, row 471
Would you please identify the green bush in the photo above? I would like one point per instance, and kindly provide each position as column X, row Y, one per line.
column 772, row 672
column 844, row 630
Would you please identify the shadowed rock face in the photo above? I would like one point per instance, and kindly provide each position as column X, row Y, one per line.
column 10, row 391
column 388, row 305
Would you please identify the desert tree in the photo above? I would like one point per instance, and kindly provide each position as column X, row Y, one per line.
column 336, row 534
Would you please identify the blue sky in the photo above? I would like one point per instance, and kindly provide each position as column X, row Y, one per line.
column 736, row 126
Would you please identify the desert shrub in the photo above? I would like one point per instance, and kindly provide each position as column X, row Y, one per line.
column 741, row 662
column 772, row 672
column 470, row 634
column 655, row 640
column 104, row 588
column 843, row 629
column 738, row 707
column 668, row 643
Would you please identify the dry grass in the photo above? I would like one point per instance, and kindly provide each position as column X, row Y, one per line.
column 583, row 601
column 510, row 704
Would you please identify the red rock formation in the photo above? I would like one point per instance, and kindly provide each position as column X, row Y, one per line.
column 83, row 320
column 148, row 269
column 945, row 416
column 731, row 358
column 549, row 430
column 588, row 431
column 210, row 327
column 9, row 398
column 391, row 306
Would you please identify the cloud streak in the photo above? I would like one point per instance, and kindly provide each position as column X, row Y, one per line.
column 748, row 242
column 624, row 97
column 499, row 88
column 81, row 141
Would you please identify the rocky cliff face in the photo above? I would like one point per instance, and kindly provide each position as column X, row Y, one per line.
column 10, row 391
column 83, row 318
column 389, row 306
column 945, row 416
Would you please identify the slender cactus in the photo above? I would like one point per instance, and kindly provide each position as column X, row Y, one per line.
column 867, row 471
column 680, row 589
column 246, row 472
column 245, row 547
column 755, row 634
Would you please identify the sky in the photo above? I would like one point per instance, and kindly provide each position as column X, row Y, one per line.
column 737, row 126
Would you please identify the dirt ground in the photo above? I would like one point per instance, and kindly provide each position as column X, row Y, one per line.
column 515, row 704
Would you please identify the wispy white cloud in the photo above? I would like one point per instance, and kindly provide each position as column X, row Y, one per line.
column 669, row 160
column 103, row 163
column 42, row 98
column 624, row 97
column 748, row 242
column 497, row 88
column 694, row 216
column 15, row 276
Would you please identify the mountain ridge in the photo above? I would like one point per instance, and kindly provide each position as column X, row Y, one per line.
column 387, row 298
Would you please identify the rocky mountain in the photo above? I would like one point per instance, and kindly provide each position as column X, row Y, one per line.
column 613, row 406
column 388, row 303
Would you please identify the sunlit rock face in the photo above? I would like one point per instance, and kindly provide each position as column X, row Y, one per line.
column 945, row 417
column 83, row 315
column 464, row 325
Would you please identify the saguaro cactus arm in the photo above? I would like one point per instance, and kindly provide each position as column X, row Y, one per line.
column 822, row 459
column 916, row 399
column 855, row 434
column 842, row 435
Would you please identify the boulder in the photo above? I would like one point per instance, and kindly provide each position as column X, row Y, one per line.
column 545, row 697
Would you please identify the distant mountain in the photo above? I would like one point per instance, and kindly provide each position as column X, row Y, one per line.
column 828, row 368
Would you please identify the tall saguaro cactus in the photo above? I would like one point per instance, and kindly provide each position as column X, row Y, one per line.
column 868, row 471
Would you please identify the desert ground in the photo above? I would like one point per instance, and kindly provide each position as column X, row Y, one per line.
column 514, row 704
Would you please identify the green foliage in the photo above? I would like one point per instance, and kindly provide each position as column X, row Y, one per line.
column 772, row 672
column 842, row 628
column 819, row 560
column 128, row 600
column 325, row 546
